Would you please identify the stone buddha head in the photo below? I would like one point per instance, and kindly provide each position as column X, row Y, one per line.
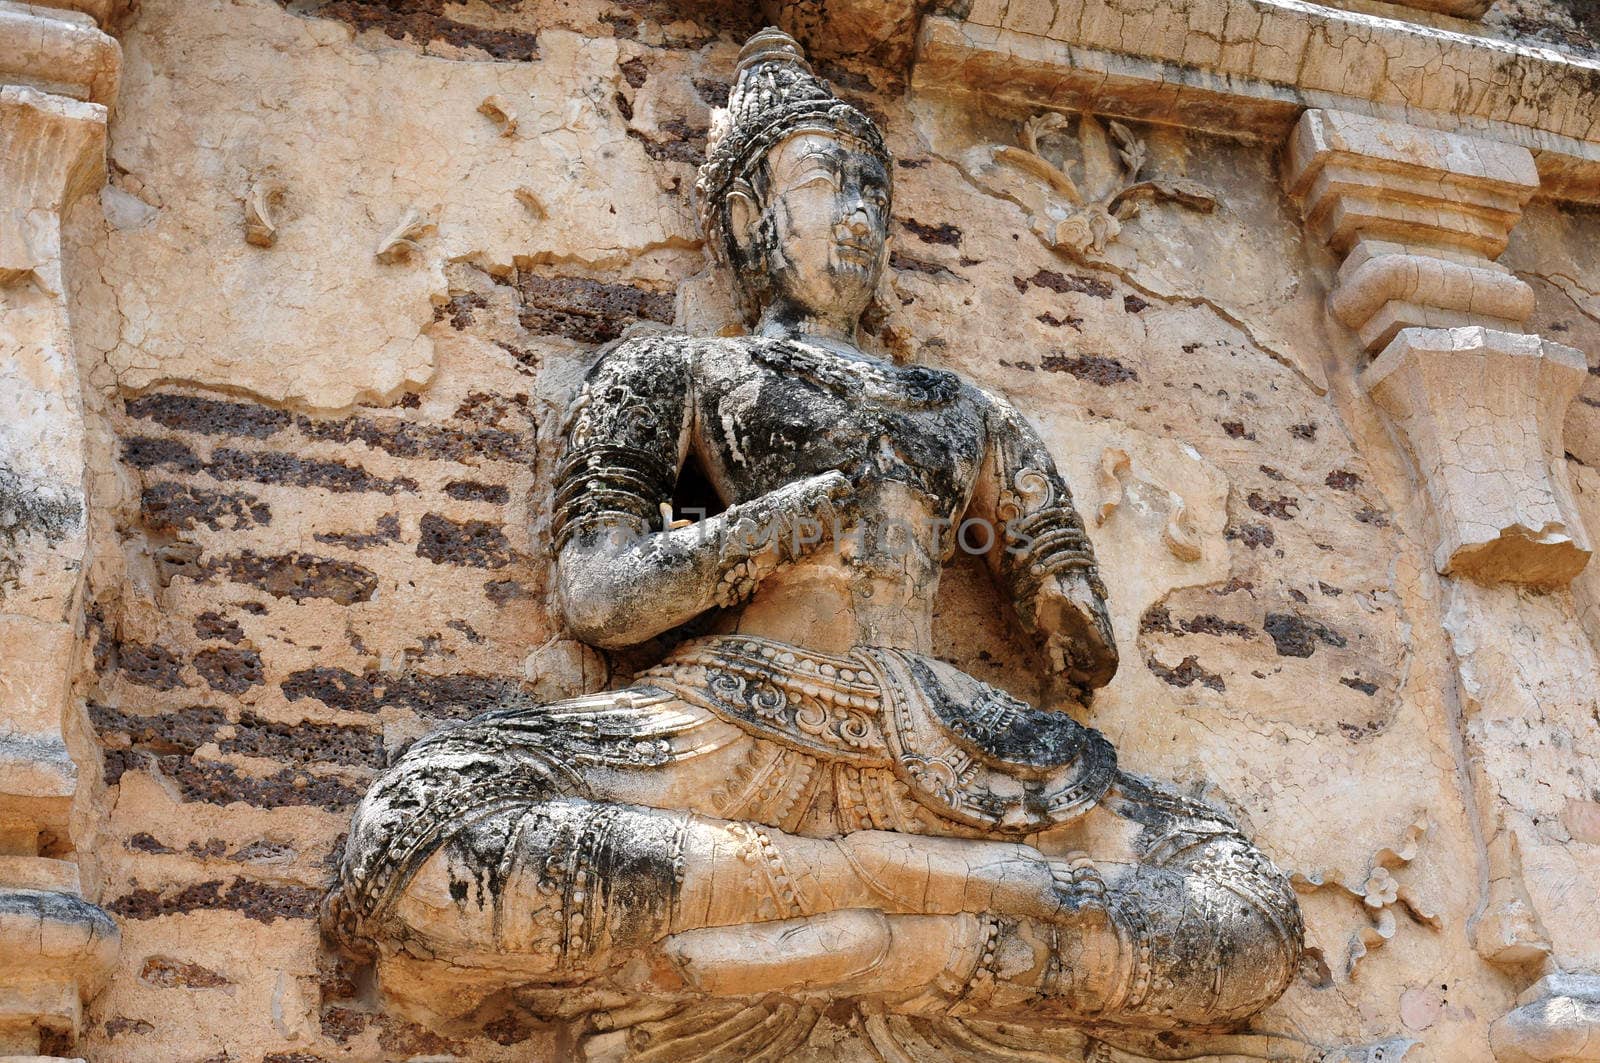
column 794, row 194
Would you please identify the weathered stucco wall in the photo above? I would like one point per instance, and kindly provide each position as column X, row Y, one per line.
column 321, row 484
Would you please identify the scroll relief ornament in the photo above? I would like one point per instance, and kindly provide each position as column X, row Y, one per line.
column 1381, row 893
column 1081, row 215
column 800, row 819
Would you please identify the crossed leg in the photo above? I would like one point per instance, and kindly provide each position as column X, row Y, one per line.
column 572, row 887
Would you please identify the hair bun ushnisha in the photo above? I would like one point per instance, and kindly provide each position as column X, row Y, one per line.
column 775, row 93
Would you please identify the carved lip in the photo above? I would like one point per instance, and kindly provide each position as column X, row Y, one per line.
column 851, row 248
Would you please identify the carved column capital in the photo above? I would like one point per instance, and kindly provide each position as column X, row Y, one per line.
column 1420, row 216
column 1483, row 411
column 60, row 50
column 52, row 150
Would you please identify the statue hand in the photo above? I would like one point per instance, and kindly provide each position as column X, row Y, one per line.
column 780, row 527
column 1079, row 642
column 795, row 519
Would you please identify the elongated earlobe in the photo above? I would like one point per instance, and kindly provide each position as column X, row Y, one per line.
column 744, row 214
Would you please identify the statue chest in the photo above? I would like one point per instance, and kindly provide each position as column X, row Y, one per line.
column 770, row 424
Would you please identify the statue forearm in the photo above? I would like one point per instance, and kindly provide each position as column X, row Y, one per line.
column 619, row 586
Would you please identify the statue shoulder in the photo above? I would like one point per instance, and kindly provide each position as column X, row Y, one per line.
column 666, row 358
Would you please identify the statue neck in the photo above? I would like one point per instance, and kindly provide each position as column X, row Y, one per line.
column 786, row 321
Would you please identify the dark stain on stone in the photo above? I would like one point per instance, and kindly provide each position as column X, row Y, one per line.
column 150, row 452
column 1187, row 673
column 121, row 1024
column 1236, row 430
column 277, row 467
column 677, row 141
column 907, row 263
column 1343, row 480
column 1362, row 685
column 1368, row 515
column 459, row 309
column 211, row 850
column 1252, row 535
column 1272, row 474
column 400, row 1039
column 213, row 626
column 27, row 509
column 1277, row 508
column 1062, row 283
column 1211, row 624
column 146, row 843
column 222, row 784
column 169, row 506
column 454, row 696
column 387, row 530
column 1056, row 322
column 491, row 428
column 473, row 543
column 211, row 417
column 298, row 576
column 587, row 310
column 263, row 852
column 508, row 1029
column 634, row 72
column 1156, row 618
column 341, row 1024
column 504, row 591
column 714, row 92
column 261, row 901
column 1303, row 431
column 424, row 22
column 625, row 108
column 1132, row 304
column 166, row 973
column 232, row 671
column 932, row 234
column 305, row 742
column 1297, row 636
column 1095, row 368
column 150, row 666
column 182, row 731
column 472, row 491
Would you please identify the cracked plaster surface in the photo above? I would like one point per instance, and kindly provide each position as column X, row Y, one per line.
column 1201, row 348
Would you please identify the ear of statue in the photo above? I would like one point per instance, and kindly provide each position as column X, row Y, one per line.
column 744, row 215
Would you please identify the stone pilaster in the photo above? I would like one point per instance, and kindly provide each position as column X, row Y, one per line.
column 57, row 70
column 1420, row 217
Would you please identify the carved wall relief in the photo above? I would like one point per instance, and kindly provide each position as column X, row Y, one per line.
column 1080, row 215
column 401, row 242
column 802, row 805
column 1381, row 894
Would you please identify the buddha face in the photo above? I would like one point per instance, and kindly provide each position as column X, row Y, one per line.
column 819, row 234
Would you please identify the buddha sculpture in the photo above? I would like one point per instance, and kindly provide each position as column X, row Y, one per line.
column 802, row 808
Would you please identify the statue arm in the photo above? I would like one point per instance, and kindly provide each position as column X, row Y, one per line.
column 1042, row 556
column 622, row 575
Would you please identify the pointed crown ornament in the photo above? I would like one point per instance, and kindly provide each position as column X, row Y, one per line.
column 775, row 95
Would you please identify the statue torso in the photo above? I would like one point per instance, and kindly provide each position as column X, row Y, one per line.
column 911, row 439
